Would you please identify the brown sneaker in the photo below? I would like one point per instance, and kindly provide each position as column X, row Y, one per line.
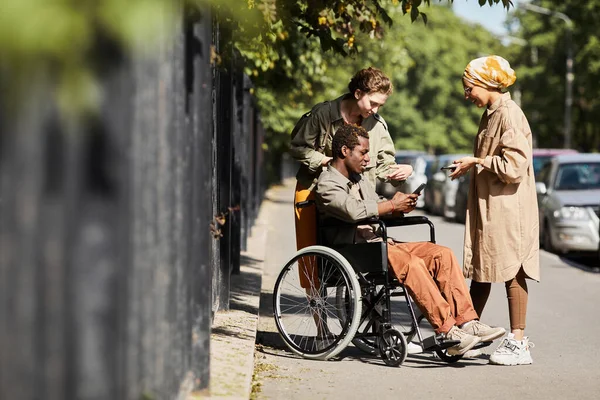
column 485, row 332
column 467, row 342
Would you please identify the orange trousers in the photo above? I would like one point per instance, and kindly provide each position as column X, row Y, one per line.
column 435, row 281
column 306, row 232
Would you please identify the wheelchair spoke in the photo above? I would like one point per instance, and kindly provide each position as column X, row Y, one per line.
column 305, row 308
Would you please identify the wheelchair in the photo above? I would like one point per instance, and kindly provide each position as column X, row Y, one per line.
column 328, row 296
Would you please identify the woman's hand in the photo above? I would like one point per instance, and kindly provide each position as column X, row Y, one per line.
column 399, row 172
column 463, row 165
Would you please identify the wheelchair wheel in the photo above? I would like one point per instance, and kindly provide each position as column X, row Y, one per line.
column 401, row 321
column 306, row 313
column 392, row 347
column 367, row 344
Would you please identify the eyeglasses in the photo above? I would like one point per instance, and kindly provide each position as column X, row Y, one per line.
column 468, row 90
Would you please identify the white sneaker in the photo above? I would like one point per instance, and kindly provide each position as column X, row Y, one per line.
column 512, row 352
column 413, row 348
column 474, row 353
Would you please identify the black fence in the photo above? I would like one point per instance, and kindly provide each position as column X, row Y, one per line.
column 119, row 230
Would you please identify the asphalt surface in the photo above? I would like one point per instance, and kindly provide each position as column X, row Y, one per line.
column 563, row 322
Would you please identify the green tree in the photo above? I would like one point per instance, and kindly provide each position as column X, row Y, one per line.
column 543, row 69
column 425, row 62
column 60, row 36
column 428, row 110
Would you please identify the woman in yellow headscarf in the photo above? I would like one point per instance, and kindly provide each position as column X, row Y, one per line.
column 502, row 229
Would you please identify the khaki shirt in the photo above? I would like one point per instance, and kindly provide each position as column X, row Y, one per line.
column 313, row 134
column 336, row 196
column 502, row 228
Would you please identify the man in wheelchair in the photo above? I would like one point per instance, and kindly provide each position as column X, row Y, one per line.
column 429, row 272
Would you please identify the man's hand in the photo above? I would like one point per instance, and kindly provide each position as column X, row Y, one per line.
column 463, row 165
column 326, row 160
column 399, row 172
column 404, row 202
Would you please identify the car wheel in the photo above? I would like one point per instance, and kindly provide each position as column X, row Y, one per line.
column 547, row 238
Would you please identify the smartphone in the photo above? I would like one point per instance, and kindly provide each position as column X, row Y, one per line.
column 450, row 168
column 420, row 188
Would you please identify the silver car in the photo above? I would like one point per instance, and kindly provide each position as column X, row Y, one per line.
column 568, row 189
column 420, row 162
column 440, row 197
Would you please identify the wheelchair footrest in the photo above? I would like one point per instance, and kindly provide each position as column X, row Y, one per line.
column 481, row 345
column 434, row 343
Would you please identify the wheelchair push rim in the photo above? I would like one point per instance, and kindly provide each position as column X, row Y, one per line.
column 306, row 314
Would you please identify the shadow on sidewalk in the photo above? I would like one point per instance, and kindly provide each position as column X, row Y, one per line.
column 278, row 200
column 246, row 285
column 264, row 337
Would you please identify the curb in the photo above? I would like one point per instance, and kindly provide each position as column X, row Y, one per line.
column 233, row 332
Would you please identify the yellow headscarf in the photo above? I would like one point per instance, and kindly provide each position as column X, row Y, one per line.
column 492, row 72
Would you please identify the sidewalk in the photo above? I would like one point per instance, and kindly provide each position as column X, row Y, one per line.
column 233, row 334
column 565, row 366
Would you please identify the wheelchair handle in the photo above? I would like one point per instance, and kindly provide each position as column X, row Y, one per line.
column 305, row 203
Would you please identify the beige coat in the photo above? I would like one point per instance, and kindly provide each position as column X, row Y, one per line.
column 502, row 224
column 313, row 134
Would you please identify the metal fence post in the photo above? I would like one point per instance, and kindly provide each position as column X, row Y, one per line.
column 199, row 83
column 223, row 131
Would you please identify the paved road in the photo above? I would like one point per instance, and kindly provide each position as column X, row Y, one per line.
column 563, row 322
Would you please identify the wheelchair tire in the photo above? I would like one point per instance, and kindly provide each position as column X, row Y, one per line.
column 299, row 311
column 392, row 347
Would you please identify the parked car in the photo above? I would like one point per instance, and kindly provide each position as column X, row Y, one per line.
column 462, row 195
column 542, row 156
column 598, row 252
column 420, row 162
column 568, row 191
column 440, row 197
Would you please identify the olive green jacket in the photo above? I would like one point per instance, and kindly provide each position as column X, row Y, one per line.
column 313, row 134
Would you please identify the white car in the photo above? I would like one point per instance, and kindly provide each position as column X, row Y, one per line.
column 568, row 190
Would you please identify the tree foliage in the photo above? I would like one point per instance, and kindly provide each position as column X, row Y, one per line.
column 542, row 62
column 285, row 43
column 427, row 110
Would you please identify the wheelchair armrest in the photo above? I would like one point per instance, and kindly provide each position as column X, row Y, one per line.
column 332, row 222
column 414, row 220
column 404, row 221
